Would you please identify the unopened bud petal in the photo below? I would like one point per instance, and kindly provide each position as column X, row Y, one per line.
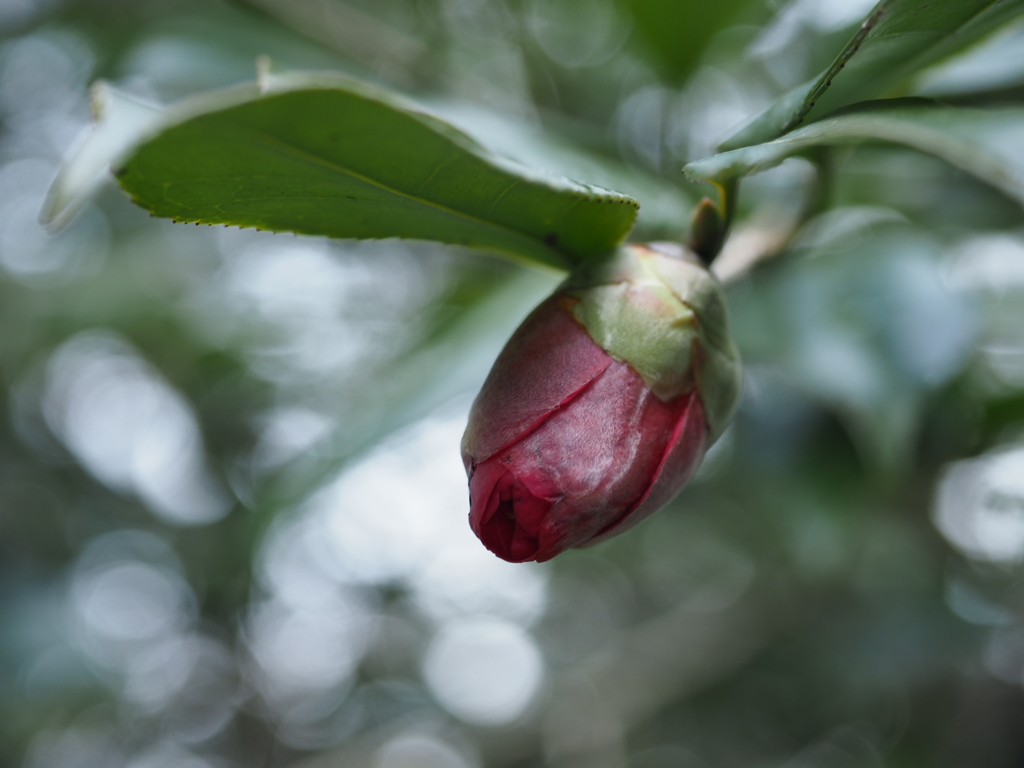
column 601, row 405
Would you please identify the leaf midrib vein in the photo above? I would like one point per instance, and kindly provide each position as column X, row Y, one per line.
column 822, row 85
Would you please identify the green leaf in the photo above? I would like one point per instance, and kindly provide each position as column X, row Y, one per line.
column 898, row 38
column 984, row 71
column 323, row 154
column 986, row 143
column 666, row 208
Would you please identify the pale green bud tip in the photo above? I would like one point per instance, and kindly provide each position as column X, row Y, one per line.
column 659, row 309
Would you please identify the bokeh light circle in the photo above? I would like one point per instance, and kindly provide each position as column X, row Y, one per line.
column 485, row 671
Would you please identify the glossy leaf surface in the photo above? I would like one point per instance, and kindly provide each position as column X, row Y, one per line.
column 898, row 38
column 985, row 143
column 322, row 154
column 665, row 208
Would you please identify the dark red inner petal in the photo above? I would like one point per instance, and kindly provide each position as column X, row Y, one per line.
column 511, row 520
column 499, row 531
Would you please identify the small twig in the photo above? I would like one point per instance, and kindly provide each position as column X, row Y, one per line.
column 754, row 243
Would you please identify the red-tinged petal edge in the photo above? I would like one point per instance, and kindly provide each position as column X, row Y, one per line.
column 682, row 457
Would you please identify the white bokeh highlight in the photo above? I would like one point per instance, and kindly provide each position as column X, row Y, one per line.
column 979, row 506
column 401, row 513
column 413, row 750
column 485, row 671
column 130, row 428
column 396, row 518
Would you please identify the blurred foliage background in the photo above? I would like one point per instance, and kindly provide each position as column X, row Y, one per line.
column 232, row 510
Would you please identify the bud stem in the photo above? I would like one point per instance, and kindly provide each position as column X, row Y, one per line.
column 710, row 225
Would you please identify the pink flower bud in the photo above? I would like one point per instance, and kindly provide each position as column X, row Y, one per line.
column 601, row 406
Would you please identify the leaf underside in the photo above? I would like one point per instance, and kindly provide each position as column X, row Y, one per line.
column 326, row 155
column 898, row 38
column 986, row 143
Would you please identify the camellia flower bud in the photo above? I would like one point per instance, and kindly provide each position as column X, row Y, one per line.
column 602, row 404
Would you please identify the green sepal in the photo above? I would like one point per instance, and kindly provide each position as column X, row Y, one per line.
column 660, row 310
column 718, row 369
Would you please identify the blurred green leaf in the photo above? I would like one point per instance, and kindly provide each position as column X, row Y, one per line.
column 322, row 154
column 985, row 143
column 679, row 32
column 898, row 38
column 989, row 68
